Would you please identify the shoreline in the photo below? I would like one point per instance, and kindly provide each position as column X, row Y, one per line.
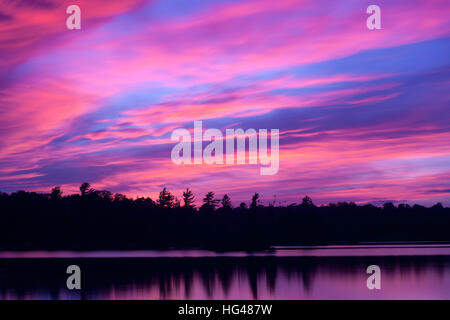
column 279, row 251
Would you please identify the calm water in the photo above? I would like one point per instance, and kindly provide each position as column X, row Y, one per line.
column 335, row 272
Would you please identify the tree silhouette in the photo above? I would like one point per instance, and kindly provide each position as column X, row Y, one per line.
column 307, row 202
column 118, row 197
column 104, row 194
column 188, row 198
column 166, row 199
column 52, row 221
column 209, row 203
column 56, row 193
column 226, row 202
column 255, row 200
column 176, row 203
column 438, row 206
column 85, row 188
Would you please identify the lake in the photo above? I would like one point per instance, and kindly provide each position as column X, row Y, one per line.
column 414, row 271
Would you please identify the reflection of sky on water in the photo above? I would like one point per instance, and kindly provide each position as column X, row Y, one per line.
column 403, row 277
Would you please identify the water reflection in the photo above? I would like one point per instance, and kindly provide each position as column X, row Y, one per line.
column 257, row 277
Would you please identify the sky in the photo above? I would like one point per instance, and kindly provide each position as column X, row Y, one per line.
column 363, row 115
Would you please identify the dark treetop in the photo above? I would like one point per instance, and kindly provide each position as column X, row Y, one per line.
column 99, row 220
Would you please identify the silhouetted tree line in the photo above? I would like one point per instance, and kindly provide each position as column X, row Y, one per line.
column 97, row 219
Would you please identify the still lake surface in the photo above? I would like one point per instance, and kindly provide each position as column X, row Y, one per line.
column 327, row 272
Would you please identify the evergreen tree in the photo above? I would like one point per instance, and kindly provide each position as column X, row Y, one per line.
column 209, row 202
column 166, row 199
column 188, row 198
column 307, row 202
column 226, row 202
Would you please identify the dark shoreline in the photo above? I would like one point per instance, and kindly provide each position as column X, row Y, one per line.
column 153, row 253
column 97, row 220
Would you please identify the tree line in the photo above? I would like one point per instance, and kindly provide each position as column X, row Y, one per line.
column 100, row 220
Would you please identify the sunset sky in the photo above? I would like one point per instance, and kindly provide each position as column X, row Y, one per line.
column 364, row 115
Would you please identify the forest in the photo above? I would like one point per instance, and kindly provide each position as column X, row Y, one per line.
column 99, row 220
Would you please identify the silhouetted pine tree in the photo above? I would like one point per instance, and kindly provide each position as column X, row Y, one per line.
column 188, row 198
column 307, row 202
column 209, row 203
column 226, row 202
column 166, row 199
